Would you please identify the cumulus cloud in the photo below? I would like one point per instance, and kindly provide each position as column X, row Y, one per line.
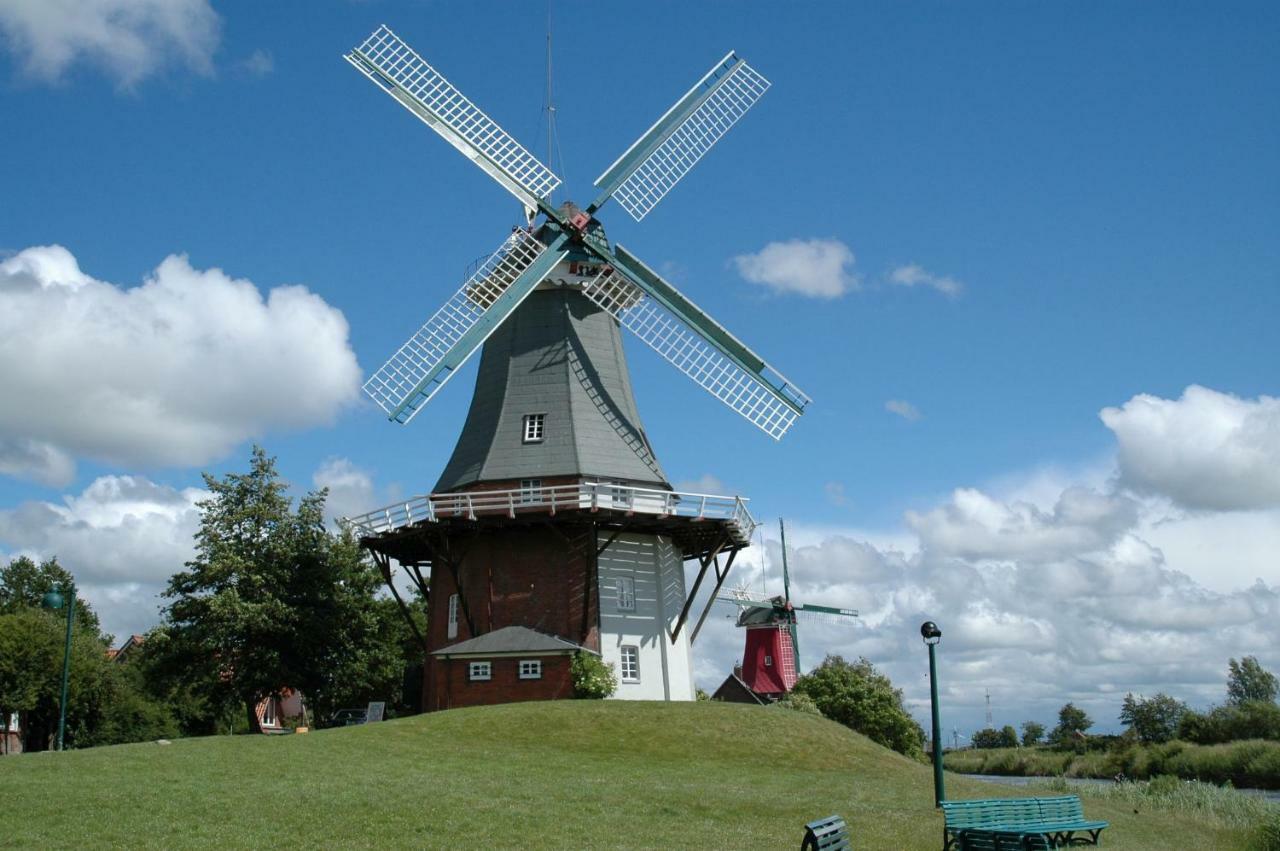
column 122, row 538
column 903, row 408
column 176, row 371
column 1206, row 450
column 351, row 489
column 1039, row 603
column 820, row 268
column 128, row 39
column 912, row 275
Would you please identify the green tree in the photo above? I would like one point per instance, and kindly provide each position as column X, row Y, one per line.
column 274, row 601
column 1071, row 720
column 1031, row 733
column 1248, row 681
column 23, row 584
column 988, row 737
column 1152, row 720
column 863, row 699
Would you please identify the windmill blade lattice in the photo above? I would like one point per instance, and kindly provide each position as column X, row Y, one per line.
column 656, row 162
column 386, row 60
column 696, row 345
column 429, row 358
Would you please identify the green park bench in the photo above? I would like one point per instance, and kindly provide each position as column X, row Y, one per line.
column 826, row 834
column 1026, row 824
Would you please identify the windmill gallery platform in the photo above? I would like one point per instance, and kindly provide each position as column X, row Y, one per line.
column 553, row 529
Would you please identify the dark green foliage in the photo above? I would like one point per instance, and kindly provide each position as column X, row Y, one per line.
column 593, row 678
column 987, row 738
column 1152, row 720
column 1032, row 731
column 1247, row 681
column 274, row 601
column 1071, row 720
column 23, row 585
column 863, row 699
column 1253, row 719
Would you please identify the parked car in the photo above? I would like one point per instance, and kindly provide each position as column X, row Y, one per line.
column 347, row 718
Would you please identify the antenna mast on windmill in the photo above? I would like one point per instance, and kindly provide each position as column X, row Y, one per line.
column 553, row 529
column 771, row 657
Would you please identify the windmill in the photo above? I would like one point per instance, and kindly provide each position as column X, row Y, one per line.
column 771, row 658
column 553, row 515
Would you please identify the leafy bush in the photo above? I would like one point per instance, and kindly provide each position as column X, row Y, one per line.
column 863, row 699
column 593, row 678
column 799, row 703
column 1254, row 719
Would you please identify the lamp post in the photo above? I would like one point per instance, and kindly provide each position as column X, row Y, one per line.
column 54, row 601
column 932, row 635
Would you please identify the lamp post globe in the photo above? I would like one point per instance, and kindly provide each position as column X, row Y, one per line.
column 52, row 600
column 931, row 634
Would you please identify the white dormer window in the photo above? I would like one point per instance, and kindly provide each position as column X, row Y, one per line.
column 533, row 427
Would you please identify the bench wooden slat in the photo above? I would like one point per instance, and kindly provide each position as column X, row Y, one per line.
column 994, row 824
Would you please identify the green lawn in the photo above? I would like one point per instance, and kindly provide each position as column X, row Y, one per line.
column 536, row 775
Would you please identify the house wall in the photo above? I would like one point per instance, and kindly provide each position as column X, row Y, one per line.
column 10, row 742
column 535, row 577
column 453, row 690
column 655, row 566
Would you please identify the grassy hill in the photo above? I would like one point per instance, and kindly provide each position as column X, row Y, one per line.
column 535, row 775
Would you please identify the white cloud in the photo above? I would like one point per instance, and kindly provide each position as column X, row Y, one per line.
column 1206, row 450
column 128, row 39
column 351, row 490
column 260, row 63
column 121, row 538
column 35, row 460
column 176, row 371
column 1041, row 604
column 912, row 275
column 706, row 483
column 835, row 492
column 821, row 268
column 903, row 408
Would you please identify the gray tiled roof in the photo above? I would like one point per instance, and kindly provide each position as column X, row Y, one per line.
column 510, row 639
column 561, row 356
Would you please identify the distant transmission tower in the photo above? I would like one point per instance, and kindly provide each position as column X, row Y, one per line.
column 988, row 709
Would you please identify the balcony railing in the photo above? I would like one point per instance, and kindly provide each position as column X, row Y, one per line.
column 583, row 496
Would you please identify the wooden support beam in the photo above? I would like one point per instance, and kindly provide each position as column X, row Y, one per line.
column 697, row 583
column 612, row 538
column 384, row 566
column 720, row 578
column 447, row 558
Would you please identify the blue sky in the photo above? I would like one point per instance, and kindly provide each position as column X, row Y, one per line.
column 1092, row 190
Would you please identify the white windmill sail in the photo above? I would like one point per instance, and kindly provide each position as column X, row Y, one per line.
column 386, row 60
column 655, row 162
column 694, row 343
column 429, row 358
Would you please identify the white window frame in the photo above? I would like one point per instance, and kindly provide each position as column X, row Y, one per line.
column 530, row 669
column 530, row 491
column 535, row 427
column 768, row 661
column 629, row 666
column 625, row 593
column 453, row 616
column 479, row 672
column 269, row 718
column 619, row 494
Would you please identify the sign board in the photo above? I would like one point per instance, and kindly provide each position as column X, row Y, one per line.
column 375, row 711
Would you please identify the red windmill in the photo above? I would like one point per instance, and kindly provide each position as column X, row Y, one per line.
column 771, row 658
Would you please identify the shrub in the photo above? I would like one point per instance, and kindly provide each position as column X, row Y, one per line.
column 799, row 703
column 863, row 699
column 593, row 678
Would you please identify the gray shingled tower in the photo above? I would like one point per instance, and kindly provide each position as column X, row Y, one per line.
column 559, row 356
